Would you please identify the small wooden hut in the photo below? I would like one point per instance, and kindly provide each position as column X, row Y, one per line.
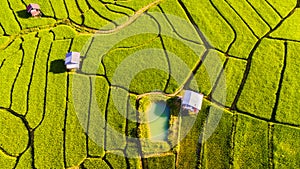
column 72, row 60
column 34, row 10
column 192, row 101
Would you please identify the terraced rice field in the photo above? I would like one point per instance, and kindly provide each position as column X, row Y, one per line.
column 243, row 55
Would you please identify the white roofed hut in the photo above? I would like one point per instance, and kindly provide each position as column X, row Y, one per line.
column 72, row 60
column 192, row 101
column 34, row 10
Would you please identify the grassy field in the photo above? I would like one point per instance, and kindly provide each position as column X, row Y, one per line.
column 242, row 55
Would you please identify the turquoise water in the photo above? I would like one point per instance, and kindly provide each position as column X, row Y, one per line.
column 158, row 116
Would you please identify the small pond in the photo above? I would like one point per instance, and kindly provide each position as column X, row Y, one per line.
column 158, row 116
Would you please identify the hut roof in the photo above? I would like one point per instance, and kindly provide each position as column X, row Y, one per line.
column 32, row 6
column 72, row 58
column 192, row 99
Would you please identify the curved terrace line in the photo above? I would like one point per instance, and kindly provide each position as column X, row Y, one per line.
column 131, row 19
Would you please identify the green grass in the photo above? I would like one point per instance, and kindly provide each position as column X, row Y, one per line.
column 92, row 20
column 114, row 57
column 210, row 23
column 25, row 160
column 286, row 147
column 178, row 20
column 97, row 122
column 162, row 162
column 11, row 49
column 75, row 142
column 14, row 135
column 8, row 21
column 249, row 15
column 1, row 31
column 187, row 157
column 245, row 40
column 116, row 119
column 183, row 60
column 95, row 163
column 259, row 93
column 78, row 117
column 6, row 161
column 119, row 68
column 132, row 152
column 38, row 84
column 137, row 40
column 33, row 23
column 283, row 7
column 74, row 12
column 80, row 42
column 143, row 82
column 19, row 97
column 190, row 131
column 103, row 11
column 207, row 74
column 289, row 97
column 122, row 10
column 83, row 6
column 92, row 51
column 150, row 147
column 50, row 132
column 291, row 25
column 134, row 4
column 4, row 41
column 8, row 72
column 266, row 11
column 251, row 143
column 59, row 8
column 131, row 117
column 63, row 32
column 217, row 147
column 134, row 163
column 116, row 159
column 232, row 78
column 174, row 105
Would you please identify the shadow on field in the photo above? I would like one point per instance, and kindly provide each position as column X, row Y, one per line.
column 58, row 66
column 23, row 14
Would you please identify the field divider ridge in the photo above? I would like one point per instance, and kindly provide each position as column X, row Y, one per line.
column 270, row 27
column 17, row 75
column 271, row 145
column 9, row 4
column 273, row 117
column 249, row 60
column 131, row 19
column 45, row 91
column 232, row 144
column 31, row 76
column 230, row 25
column 248, row 26
column 173, row 28
column 274, row 9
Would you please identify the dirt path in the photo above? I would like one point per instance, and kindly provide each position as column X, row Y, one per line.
column 131, row 19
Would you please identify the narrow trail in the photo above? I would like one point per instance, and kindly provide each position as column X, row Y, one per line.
column 131, row 19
